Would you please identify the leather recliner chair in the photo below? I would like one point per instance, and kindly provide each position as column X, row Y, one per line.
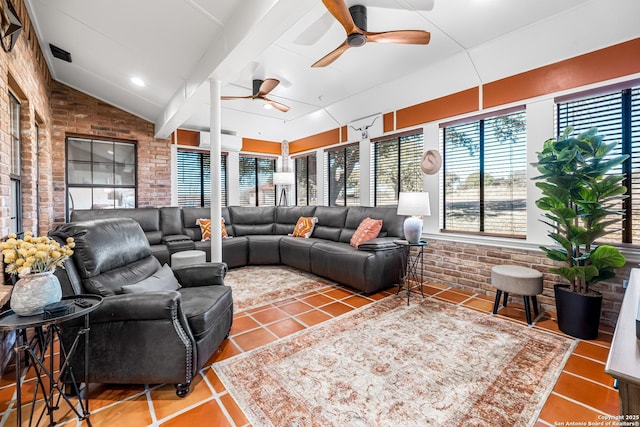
column 141, row 338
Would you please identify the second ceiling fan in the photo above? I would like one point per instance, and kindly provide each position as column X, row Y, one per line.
column 260, row 90
column 354, row 21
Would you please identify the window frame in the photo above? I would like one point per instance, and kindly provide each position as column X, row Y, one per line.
column 256, row 177
column 482, row 198
column 92, row 163
column 398, row 140
column 309, row 158
column 15, row 171
column 327, row 170
column 202, row 174
column 626, row 90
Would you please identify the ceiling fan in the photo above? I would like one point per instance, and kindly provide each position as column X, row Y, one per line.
column 261, row 89
column 354, row 21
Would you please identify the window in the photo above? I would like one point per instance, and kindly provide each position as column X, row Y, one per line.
column 194, row 178
column 306, row 178
column 396, row 163
column 256, row 177
column 616, row 114
column 100, row 174
column 343, row 175
column 484, row 179
column 15, row 225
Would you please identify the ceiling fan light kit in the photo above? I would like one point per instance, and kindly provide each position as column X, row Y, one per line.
column 260, row 90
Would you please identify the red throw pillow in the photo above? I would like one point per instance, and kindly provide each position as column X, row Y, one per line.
column 367, row 230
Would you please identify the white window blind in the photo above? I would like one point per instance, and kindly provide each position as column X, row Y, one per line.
column 396, row 161
column 484, row 188
column 616, row 115
column 306, row 179
column 256, row 181
column 194, row 178
column 343, row 175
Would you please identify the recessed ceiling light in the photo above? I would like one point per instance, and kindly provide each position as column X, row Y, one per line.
column 137, row 81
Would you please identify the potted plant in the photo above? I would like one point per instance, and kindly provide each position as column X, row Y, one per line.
column 580, row 198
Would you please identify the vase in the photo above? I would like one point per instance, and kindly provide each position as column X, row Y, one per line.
column 33, row 291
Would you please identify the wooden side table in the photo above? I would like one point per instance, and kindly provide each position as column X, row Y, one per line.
column 45, row 333
column 413, row 267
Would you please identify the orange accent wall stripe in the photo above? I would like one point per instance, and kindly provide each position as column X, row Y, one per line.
column 188, row 137
column 439, row 108
column 323, row 139
column 387, row 122
column 260, row 146
column 344, row 134
column 604, row 64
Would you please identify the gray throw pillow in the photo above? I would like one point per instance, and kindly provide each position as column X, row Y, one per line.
column 161, row 280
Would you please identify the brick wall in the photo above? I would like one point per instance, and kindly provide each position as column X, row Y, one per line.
column 77, row 114
column 468, row 266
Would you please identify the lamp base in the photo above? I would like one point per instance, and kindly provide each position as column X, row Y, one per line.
column 412, row 229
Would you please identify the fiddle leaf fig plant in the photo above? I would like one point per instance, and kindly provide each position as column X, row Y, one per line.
column 580, row 198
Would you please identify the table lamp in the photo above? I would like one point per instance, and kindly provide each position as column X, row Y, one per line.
column 415, row 204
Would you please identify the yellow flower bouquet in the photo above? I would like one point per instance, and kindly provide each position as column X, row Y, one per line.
column 34, row 254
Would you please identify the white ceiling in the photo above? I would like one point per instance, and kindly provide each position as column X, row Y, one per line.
column 175, row 46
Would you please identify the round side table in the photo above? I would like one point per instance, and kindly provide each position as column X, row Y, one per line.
column 40, row 346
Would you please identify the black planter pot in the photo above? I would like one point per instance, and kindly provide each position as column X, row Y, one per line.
column 578, row 315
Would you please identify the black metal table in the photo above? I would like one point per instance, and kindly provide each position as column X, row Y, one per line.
column 45, row 333
column 412, row 266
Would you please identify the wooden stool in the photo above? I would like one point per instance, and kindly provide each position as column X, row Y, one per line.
column 518, row 280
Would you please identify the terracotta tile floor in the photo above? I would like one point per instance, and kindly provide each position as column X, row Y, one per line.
column 582, row 393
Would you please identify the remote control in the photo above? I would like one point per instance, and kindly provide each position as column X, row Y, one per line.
column 82, row 303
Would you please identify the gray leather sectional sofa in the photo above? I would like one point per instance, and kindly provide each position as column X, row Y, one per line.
column 260, row 237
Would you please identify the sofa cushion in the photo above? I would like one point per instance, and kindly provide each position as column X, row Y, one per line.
column 204, row 305
column 368, row 229
column 287, row 216
column 171, row 220
column 330, row 222
column 161, row 280
column 357, row 214
column 252, row 220
column 296, row 252
column 304, row 227
column 148, row 218
column 191, row 215
column 264, row 249
column 205, row 228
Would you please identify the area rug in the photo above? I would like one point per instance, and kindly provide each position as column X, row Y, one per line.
column 388, row 364
column 255, row 286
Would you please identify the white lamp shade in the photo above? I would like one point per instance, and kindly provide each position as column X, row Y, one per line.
column 414, row 204
column 283, row 178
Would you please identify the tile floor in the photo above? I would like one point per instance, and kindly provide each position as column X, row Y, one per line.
column 582, row 393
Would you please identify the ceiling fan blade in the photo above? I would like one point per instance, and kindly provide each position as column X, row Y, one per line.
column 400, row 37
column 332, row 56
column 276, row 105
column 226, row 98
column 339, row 10
column 267, row 86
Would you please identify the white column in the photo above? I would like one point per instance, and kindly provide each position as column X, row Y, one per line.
column 216, row 181
column 174, row 174
column 366, row 169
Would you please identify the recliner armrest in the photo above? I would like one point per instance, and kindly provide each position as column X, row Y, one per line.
column 378, row 244
column 207, row 274
column 141, row 306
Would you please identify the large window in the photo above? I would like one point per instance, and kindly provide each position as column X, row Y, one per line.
column 396, row 164
column 306, row 178
column 256, row 181
column 15, row 209
column 194, row 178
column 100, row 174
column 343, row 175
column 484, row 187
column 616, row 114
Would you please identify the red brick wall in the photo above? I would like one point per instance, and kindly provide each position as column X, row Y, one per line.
column 75, row 113
column 468, row 266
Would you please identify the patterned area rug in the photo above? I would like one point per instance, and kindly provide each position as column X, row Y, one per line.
column 387, row 364
column 255, row 286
